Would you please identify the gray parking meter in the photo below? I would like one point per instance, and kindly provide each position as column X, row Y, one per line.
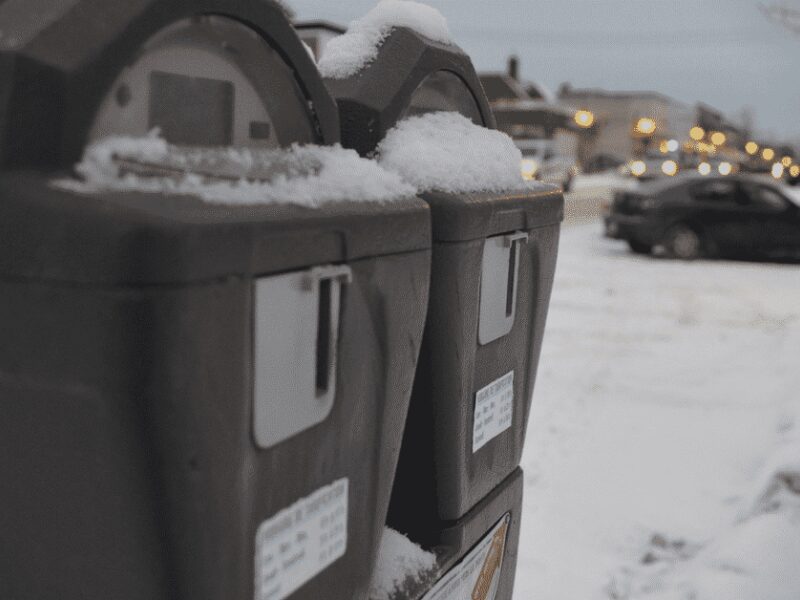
column 493, row 265
column 200, row 401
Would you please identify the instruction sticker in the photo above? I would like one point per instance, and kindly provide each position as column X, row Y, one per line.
column 477, row 576
column 494, row 411
column 301, row 541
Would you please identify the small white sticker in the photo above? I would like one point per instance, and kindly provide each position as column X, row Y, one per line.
column 301, row 541
column 494, row 411
column 477, row 576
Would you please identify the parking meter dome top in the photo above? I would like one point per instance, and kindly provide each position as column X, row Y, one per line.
column 346, row 55
column 446, row 152
column 401, row 566
column 301, row 175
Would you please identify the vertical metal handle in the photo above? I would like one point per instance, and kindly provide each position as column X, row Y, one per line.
column 328, row 280
column 513, row 242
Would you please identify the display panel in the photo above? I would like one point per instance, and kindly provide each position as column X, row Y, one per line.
column 194, row 111
column 208, row 81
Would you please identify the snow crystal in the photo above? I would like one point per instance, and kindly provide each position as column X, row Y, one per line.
column 447, row 152
column 303, row 175
column 347, row 54
column 400, row 563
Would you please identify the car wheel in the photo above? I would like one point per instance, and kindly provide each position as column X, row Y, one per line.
column 683, row 242
column 639, row 247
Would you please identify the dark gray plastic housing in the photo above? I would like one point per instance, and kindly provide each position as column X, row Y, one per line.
column 494, row 259
column 134, row 465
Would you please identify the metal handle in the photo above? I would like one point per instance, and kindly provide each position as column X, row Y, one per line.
column 513, row 241
column 328, row 299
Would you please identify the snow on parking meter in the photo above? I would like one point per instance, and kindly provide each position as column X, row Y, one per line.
column 493, row 260
column 210, row 337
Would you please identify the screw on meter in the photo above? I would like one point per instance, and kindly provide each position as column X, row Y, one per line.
column 207, row 81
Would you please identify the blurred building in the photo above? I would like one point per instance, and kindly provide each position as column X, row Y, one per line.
column 543, row 130
column 629, row 124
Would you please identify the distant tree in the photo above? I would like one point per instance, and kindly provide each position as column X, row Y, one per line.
column 784, row 14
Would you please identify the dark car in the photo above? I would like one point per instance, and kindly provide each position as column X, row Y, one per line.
column 696, row 216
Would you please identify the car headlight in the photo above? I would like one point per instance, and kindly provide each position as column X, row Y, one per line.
column 669, row 167
column 638, row 167
column 529, row 168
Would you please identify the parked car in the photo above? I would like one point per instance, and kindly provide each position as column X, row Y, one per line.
column 693, row 216
column 543, row 161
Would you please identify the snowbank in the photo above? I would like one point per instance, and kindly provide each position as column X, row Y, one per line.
column 347, row 54
column 606, row 180
column 755, row 557
column 303, row 175
column 663, row 390
column 401, row 564
column 447, row 152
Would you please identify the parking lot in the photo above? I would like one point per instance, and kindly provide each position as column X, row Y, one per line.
column 665, row 388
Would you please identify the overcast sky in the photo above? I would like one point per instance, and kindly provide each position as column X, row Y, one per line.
column 723, row 52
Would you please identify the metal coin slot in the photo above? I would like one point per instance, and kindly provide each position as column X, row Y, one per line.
column 499, row 279
column 296, row 335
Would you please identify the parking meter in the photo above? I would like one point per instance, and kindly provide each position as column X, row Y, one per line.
column 200, row 401
column 493, row 264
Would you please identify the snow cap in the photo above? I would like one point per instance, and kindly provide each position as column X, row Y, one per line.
column 346, row 55
column 302, row 175
column 446, row 152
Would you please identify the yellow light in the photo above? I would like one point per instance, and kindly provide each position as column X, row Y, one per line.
column 638, row 168
column 768, row 154
column 751, row 148
column 669, row 167
column 706, row 148
column 662, row 147
column 704, row 168
column 584, row 118
column 529, row 169
column 673, row 145
column 794, row 170
column 645, row 126
column 777, row 170
column 718, row 138
column 697, row 133
column 786, row 161
column 725, row 168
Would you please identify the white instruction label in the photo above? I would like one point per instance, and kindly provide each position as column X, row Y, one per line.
column 494, row 411
column 301, row 541
column 477, row 576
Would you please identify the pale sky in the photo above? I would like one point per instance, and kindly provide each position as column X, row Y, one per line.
column 722, row 52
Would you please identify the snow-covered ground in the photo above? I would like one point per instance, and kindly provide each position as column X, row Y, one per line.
column 667, row 393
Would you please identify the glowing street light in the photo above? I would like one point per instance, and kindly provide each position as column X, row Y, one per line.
column 751, row 148
column 584, row 118
column 725, row 168
column 777, row 170
column 697, row 133
column 673, row 145
column 794, row 170
column 718, row 138
column 645, row 126
column 768, row 154
column 669, row 167
column 786, row 161
column 638, row 168
column 704, row 168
